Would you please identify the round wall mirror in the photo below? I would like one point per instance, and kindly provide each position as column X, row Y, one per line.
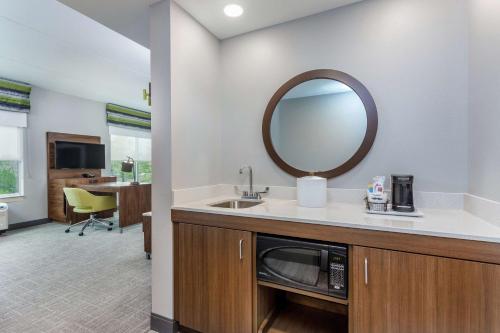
column 321, row 122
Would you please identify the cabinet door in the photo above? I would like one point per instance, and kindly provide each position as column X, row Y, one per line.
column 229, row 281
column 191, row 285
column 397, row 292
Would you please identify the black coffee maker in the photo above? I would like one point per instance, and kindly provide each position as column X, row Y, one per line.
column 402, row 193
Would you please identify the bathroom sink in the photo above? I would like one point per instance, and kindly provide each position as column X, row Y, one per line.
column 236, row 204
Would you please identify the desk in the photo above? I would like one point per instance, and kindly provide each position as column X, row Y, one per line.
column 134, row 200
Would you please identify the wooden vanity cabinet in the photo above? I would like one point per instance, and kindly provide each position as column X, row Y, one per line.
column 398, row 283
column 394, row 292
column 213, row 279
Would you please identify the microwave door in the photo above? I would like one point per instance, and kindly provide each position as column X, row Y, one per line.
column 301, row 266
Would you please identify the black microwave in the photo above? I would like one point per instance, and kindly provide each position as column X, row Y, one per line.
column 308, row 265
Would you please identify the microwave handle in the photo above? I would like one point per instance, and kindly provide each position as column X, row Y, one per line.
column 324, row 260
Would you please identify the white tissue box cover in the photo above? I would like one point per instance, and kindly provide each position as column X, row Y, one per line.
column 311, row 192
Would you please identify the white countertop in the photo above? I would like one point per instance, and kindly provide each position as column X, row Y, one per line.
column 436, row 222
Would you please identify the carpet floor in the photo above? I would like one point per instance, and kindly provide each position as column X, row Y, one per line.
column 55, row 282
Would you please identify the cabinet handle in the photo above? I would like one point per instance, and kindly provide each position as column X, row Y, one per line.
column 366, row 271
column 241, row 249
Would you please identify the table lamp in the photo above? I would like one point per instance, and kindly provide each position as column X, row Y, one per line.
column 130, row 166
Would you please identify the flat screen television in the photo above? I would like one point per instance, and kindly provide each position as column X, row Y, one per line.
column 77, row 155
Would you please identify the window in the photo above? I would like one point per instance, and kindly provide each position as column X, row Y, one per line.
column 11, row 161
column 136, row 145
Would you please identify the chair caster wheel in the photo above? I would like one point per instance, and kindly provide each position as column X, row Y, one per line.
column 66, row 231
column 109, row 229
column 111, row 223
column 80, row 234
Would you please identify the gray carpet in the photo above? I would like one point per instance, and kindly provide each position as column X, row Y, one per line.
column 56, row 282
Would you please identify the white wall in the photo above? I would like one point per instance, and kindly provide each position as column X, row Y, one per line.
column 484, row 98
column 162, row 267
column 412, row 57
column 189, row 117
column 195, row 102
column 53, row 112
column 415, row 66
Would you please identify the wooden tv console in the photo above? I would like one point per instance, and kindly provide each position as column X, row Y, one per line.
column 57, row 179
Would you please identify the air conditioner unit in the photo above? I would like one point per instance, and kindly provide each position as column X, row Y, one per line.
column 4, row 217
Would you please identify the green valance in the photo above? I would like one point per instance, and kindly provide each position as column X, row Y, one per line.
column 14, row 96
column 127, row 117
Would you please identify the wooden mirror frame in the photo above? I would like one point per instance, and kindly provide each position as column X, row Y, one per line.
column 359, row 89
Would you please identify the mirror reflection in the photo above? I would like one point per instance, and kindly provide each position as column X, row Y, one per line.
column 318, row 125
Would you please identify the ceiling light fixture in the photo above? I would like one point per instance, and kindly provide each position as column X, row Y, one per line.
column 233, row 10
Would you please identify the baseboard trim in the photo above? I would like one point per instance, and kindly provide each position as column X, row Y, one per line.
column 162, row 324
column 28, row 224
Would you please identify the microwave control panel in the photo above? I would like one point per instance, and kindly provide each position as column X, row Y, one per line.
column 337, row 272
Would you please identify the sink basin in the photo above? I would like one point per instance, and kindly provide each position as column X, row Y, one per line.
column 236, row 204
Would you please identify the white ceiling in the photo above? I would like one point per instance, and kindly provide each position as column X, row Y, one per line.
column 131, row 18
column 258, row 13
column 52, row 46
column 128, row 17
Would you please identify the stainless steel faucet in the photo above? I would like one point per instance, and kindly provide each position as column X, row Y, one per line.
column 251, row 194
column 248, row 194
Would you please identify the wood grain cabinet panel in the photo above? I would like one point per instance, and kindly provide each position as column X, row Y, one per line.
column 191, row 272
column 229, row 281
column 395, row 292
column 213, row 279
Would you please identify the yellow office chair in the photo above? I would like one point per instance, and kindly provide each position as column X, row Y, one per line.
column 86, row 203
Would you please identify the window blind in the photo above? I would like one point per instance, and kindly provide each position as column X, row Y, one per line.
column 126, row 131
column 127, row 117
column 14, row 96
column 13, row 119
column 12, row 147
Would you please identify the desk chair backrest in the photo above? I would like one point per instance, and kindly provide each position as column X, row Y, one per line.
column 78, row 198
column 85, row 202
